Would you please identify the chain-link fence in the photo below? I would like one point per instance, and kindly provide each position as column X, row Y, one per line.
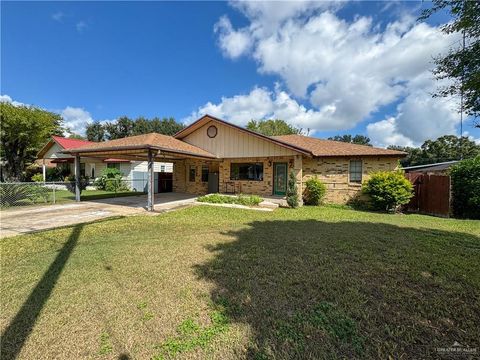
column 13, row 194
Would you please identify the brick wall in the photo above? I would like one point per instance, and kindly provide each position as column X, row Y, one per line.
column 263, row 188
column 334, row 172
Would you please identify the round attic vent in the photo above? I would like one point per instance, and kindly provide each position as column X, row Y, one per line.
column 212, row 131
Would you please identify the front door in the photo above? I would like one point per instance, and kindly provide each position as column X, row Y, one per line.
column 279, row 178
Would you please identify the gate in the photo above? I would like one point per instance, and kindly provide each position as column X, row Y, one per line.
column 431, row 194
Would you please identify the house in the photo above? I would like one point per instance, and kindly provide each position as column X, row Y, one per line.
column 52, row 155
column 440, row 168
column 212, row 155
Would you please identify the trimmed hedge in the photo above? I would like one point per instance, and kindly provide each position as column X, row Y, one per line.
column 465, row 178
column 247, row 200
column 388, row 190
column 292, row 191
column 315, row 191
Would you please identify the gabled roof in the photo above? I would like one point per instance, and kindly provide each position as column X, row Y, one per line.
column 206, row 118
column 321, row 147
column 151, row 141
column 68, row 143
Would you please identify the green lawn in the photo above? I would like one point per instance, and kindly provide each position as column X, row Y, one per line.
column 208, row 282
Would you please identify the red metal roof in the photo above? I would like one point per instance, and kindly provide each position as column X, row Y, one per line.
column 68, row 143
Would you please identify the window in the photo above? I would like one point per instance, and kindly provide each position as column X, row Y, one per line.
column 113, row 166
column 162, row 168
column 93, row 172
column 192, row 173
column 204, row 173
column 82, row 169
column 356, row 171
column 246, row 171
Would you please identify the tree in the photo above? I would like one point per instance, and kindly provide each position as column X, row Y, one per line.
column 272, row 127
column 76, row 136
column 357, row 139
column 462, row 63
column 166, row 126
column 95, row 132
column 445, row 148
column 23, row 132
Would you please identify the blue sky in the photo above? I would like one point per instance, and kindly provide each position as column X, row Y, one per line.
column 96, row 61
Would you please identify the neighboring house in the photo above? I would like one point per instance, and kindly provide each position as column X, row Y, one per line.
column 440, row 168
column 212, row 155
column 51, row 155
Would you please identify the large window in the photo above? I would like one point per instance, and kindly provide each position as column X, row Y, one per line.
column 356, row 171
column 192, row 173
column 113, row 166
column 204, row 173
column 246, row 171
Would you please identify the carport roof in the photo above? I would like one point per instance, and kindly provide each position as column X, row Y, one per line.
column 151, row 141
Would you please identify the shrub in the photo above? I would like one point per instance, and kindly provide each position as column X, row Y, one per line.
column 292, row 191
column 388, row 190
column 111, row 180
column 247, row 200
column 315, row 191
column 70, row 183
column 30, row 171
column 466, row 188
column 37, row 178
column 14, row 194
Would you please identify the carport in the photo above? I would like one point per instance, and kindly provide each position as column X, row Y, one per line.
column 148, row 147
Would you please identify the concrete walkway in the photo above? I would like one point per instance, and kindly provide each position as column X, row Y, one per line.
column 24, row 220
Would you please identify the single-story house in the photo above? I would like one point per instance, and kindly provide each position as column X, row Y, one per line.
column 212, row 155
column 134, row 173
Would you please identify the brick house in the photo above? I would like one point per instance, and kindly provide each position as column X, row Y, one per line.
column 212, row 155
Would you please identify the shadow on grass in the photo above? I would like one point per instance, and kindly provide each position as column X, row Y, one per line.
column 312, row 290
column 17, row 332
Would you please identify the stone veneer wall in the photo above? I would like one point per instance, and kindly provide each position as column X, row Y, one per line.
column 334, row 173
column 181, row 181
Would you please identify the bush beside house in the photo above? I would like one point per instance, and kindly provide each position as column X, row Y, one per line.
column 388, row 190
column 465, row 178
column 292, row 191
column 315, row 191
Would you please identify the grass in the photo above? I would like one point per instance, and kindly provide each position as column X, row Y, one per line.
column 209, row 282
column 65, row 196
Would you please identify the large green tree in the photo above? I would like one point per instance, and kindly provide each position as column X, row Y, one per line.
column 272, row 127
column 445, row 148
column 125, row 126
column 24, row 130
column 462, row 63
column 357, row 139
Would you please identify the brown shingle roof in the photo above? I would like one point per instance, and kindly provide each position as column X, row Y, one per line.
column 153, row 141
column 321, row 147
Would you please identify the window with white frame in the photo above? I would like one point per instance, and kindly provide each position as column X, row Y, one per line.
column 356, row 171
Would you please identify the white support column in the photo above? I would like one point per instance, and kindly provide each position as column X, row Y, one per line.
column 44, row 171
column 77, row 178
column 151, row 189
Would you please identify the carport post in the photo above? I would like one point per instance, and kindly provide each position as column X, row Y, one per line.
column 151, row 189
column 77, row 177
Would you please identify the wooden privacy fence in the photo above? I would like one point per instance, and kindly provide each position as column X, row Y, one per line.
column 432, row 194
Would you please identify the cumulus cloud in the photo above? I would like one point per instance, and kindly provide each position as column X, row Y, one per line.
column 76, row 119
column 343, row 72
column 262, row 103
column 8, row 99
column 58, row 16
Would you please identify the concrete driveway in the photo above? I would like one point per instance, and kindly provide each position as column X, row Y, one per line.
column 25, row 220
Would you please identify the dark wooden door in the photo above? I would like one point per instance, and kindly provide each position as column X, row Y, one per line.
column 165, row 182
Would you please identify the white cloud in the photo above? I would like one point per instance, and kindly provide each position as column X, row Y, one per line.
column 345, row 70
column 384, row 133
column 58, row 16
column 81, row 26
column 8, row 99
column 261, row 103
column 76, row 119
